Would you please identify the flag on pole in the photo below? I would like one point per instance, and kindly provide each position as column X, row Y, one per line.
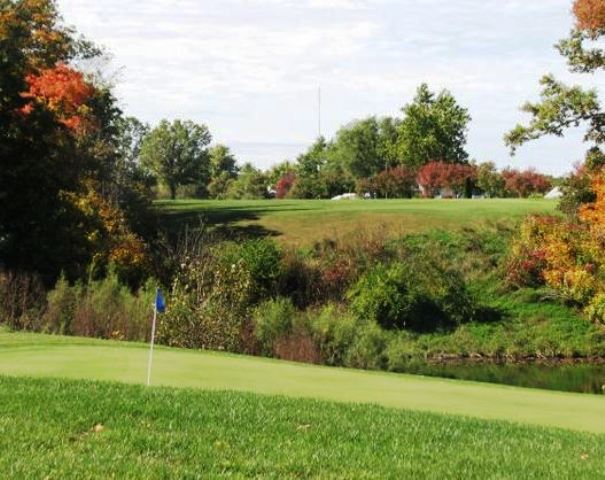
column 158, row 306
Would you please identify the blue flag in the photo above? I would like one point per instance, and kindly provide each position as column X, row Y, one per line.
column 160, row 305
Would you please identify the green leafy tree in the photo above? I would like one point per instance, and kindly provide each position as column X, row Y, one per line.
column 222, row 160
column 562, row 106
column 434, row 128
column 177, row 153
column 357, row 148
column 250, row 184
column 489, row 180
column 310, row 165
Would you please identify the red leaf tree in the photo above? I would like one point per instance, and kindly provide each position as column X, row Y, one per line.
column 434, row 176
column 524, row 183
column 285, row 184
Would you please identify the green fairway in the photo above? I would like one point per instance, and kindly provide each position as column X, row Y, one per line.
column 304, row 221
column 83, row 430
column 54, row 356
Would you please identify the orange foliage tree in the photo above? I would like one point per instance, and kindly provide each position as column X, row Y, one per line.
column 567, row 255
column 590, row 14
column 64, row 92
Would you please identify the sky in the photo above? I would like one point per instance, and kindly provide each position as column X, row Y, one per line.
column 250, row 69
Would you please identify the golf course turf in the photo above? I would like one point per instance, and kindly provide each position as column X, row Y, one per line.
column 23, row 354
column 61, row 429
column 302, row 222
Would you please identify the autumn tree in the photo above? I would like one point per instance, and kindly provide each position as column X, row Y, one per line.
column 525, row 183
column 437, row 175
column 177, row 153
column 433, row 128
column 563, row 106
column 285, row 184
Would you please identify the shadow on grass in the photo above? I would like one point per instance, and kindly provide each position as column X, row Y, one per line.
column 226, row 222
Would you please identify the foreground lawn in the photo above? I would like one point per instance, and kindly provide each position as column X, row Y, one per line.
column 302, row 222
column 67, row 429
column 76, row 358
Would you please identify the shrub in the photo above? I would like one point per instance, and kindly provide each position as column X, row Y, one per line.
column 62, row 305
column 419, row 295
column 209, row 305
column 105, row 308
column 335, row 331
column 261, row 258
column 369, row 348
column 21, row 300
column 273, row 319
column 595, row 311
column 399, row 353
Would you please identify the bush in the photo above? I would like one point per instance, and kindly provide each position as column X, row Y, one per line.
column 369, row 348
column 105, row 308
column 261, row 258
column 418, row 295
column 399, row 353
column 596, row 309
column 273, row 319
column 21, row 300
column 62, row 305
column 334, row 331
column 209, row 305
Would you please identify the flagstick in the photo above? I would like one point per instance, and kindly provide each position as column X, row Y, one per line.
column 155, row 314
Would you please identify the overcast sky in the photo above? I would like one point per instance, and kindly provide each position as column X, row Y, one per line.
column 250, row 69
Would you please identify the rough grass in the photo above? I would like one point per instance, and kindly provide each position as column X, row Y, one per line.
column 302, row 222
column 66, row 429
column 54, row 356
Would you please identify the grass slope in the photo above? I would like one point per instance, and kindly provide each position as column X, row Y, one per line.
column 65, row 429
column 50, row 356
column 301, row 222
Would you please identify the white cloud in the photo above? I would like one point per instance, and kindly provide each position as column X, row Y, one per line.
column 250, row 68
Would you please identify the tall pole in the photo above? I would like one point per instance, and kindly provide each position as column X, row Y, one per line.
column 150, row 361
column 319, row 111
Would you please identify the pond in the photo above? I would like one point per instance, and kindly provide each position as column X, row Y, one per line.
column 570, row 377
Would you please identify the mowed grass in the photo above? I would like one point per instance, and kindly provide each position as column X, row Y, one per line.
column 60, row 429
column 76, row 358
column 301, row 222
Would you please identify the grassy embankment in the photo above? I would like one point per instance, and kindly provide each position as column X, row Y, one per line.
column 302, row 222
column 523, row 324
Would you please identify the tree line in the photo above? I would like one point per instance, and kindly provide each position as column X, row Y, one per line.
column 421, row 153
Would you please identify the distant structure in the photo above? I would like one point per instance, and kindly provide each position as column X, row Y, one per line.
column 554, row 194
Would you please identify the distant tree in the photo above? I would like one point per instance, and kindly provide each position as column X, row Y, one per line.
column 219, row 186
column 397, row 182
column 489, row 180
column 285, row 184
column 309, row 166
column 357, row 148
column 222, row 160
column 388, row 136
column 434, row 127
column 278, row 171
column 250, row 184
column 436, row 175
column 562, row 106
column 177, row 153
column 524, row 183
